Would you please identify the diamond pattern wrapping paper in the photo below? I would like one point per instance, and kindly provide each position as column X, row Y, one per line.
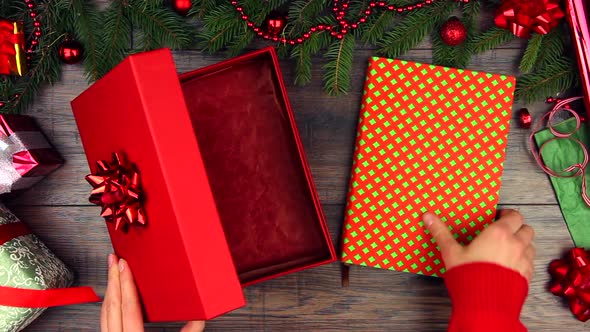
column 429, row 138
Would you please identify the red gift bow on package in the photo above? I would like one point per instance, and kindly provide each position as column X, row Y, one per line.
column 575, row 170
column 524, row 16
column 572, row 280
column 39, row 298
column 116, row 189
column 10, row 43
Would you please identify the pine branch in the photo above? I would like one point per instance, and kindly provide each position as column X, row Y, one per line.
column 464, row 52
column 240, row 43
column 302, row 14
column 552, row 47
column 159, row 27
column 376, row 26
column 302, row 54
column 200, row 7
column 115, row 37
column 531, row 53
column 87, row 23
column 221, row 26
column 412, row 30
column 442, row 54
column 546, row 81
column 490, row 39
column 337, row 70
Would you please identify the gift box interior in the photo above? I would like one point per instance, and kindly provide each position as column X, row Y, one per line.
column 251, row 155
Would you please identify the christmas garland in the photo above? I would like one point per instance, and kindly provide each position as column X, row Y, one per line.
column 67, row 31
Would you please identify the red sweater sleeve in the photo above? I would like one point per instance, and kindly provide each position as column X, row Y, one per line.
column 486, row 297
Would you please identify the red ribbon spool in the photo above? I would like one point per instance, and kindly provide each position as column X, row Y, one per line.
column 526, row 120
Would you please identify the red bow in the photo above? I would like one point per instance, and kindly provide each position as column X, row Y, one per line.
column 117, row 190
column 572, row 280
column 8, row 40
column 524, row 16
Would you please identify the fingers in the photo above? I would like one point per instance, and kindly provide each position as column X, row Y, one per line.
column 103, row 310
column 510, row 219
column 195, row 326
column 112, row 300
column 441, row 233
column 526, row 234
column 131, row 308
column 529, row 253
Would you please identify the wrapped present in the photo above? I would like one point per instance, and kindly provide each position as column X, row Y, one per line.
column 12, row 48
column 208, row 165
column 430, row 138
column 31, row 276
column 26, row 156
column 578, row 15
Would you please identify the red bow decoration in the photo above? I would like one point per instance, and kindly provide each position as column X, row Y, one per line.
column 117, row 189
column 524, row 16
column 572, row 280
column 8, row 40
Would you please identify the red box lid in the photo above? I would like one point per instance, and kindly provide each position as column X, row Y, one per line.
column 126, row 111
column 181, row 260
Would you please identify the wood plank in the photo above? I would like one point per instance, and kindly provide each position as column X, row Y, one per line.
column 312, row 300
column 327, row 125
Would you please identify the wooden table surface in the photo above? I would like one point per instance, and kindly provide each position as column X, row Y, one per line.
column 57, row 209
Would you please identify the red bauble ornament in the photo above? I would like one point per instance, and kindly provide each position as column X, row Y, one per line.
column 70, row 51
column 182, row 7
column 453, row 32
column 275, row 23
column 525, row 118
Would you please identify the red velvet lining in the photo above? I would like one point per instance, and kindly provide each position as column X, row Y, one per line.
column 251, row 157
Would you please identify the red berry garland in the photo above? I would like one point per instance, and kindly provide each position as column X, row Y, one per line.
column 339, row 9
column 37, row 30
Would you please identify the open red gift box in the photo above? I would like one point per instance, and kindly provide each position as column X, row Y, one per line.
column 229, row 197
column 578, row 15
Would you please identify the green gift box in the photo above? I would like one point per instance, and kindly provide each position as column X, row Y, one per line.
column 26, row 263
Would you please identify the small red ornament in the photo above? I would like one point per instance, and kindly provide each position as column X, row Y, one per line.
column 453, row 32
column 275, row 23
column 182, row 7
column 525, row 118
column 70, row 51
column 525, row 16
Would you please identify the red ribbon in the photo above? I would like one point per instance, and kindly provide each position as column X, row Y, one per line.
column 39, row 298
column 572, row 280
column 575, row 170
column 524, row 16
column 116, row 189
column 7, row 41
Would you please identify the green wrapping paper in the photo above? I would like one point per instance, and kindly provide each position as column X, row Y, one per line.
column 25, row 262
column 558, row 155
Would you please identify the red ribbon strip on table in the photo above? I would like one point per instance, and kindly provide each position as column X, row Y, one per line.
column 572, row 280
column 117, row 190
column 578, row 169
column 8, row 40
column 39, row 298
column 524, row 16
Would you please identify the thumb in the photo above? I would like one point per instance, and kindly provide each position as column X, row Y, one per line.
column 194, row 326
column 441, row 233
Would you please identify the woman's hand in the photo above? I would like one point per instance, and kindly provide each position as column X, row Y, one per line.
column 508, row 242
column 121, row 310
